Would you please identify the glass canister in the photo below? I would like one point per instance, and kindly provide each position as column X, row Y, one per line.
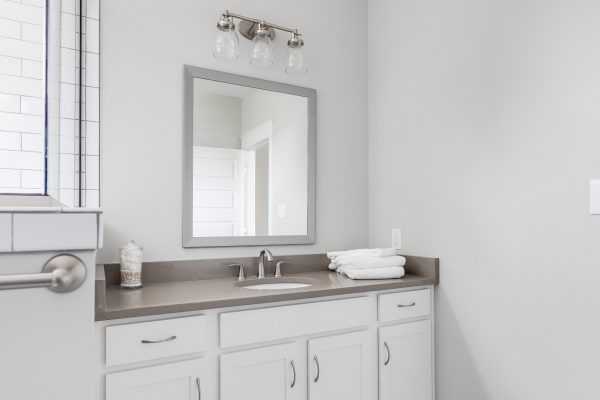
column 131, row 265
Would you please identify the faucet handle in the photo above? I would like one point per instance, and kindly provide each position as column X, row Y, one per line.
column 278, row 267
column 241, row 274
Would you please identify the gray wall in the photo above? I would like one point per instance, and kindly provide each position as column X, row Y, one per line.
column 217, row 119
column 144, row 48
column 484, row 131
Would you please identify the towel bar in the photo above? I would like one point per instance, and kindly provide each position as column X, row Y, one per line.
column 62, row 274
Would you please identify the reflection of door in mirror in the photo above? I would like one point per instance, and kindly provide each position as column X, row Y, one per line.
column 223, row 177
column 218, row 188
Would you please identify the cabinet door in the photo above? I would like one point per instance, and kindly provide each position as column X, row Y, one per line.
column 339, row 367
column 268, row 373
column 405, row 362
column 176, row 381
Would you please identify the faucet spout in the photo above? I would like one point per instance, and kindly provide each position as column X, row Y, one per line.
column 261, row 262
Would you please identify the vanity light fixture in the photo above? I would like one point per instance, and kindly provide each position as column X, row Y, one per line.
column 261, row 33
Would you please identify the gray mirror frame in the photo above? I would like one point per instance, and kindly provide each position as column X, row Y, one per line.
column 189, row 241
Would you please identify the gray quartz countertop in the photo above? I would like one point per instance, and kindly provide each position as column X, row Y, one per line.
column 193, row 293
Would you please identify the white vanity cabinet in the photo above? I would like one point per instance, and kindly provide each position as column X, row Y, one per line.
column 268, row 373
column 406, row 367
column 364, row 346
column 339, row 367
column 175, row 381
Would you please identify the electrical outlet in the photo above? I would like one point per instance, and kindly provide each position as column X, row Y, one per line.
column 281, row 211
column 397, row 238
column 595, row 197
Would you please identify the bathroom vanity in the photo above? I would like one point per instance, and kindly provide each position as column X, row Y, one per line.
column 195, row 332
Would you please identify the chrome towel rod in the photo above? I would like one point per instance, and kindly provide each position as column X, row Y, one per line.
column 62, row 274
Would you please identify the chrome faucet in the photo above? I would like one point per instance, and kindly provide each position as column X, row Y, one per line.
column 261, row 262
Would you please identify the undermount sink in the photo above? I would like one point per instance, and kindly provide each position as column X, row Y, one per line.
column 276, row 283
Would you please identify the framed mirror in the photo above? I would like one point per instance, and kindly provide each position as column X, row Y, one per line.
column 249, row 166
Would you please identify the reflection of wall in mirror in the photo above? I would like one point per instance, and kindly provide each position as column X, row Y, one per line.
column 261, row 192
column 217, row 120
column 289, row 158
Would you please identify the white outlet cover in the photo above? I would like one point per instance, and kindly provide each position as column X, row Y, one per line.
column 281, row 211
column 595, row 197
column 397, row 238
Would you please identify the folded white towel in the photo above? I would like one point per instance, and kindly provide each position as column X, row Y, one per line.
column 373, row 273
column 372, row 252
column 359, row 262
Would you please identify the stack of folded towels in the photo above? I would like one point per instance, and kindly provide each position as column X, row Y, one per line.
column 367, row 263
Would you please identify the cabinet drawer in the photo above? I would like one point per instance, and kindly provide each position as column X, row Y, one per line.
column 402, row 305
column 262, row 325
column 157, row 339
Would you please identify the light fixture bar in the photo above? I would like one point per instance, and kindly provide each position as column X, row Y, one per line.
column 228, row 14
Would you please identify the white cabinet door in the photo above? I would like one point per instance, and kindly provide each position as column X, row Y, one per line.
column 176, row 381
column 405, row 362
column 339, row 367
column 268, row 373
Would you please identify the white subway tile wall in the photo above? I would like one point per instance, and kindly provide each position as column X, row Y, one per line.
column 22, row 106
column 21, row 96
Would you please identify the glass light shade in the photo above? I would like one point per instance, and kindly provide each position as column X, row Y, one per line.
column 227, row 45
column 294, row 63
column 262, row 51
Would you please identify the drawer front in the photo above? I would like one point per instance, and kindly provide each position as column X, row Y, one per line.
column 402, row 305
column 157, row 339
column 265, row 324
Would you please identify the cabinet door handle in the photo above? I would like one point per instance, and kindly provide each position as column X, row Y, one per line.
column 169, row 339
column 294, row 371
column 407, row 305
column 198, row 386
column 389, row 355
column 318, row 368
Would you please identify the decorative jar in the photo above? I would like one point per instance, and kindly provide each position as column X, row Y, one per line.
column 131, row 265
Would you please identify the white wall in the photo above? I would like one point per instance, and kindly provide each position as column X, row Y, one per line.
column 144, row 47
column 484, row 131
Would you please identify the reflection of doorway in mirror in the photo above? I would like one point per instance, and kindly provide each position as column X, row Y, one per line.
column 257, row 144
column 232, row 187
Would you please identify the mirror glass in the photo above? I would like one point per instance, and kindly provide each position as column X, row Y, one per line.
column 250, row 162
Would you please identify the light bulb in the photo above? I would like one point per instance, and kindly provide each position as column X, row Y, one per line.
column 262, row 49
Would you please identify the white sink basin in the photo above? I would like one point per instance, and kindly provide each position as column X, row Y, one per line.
column 277, row 286
column 276, row 283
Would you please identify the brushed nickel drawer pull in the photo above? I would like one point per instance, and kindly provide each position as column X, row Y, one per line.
column 198, row 386
column 294, row 371
column 169, row 339
column 389, row 355
column 406, row 305
column 318, row 368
